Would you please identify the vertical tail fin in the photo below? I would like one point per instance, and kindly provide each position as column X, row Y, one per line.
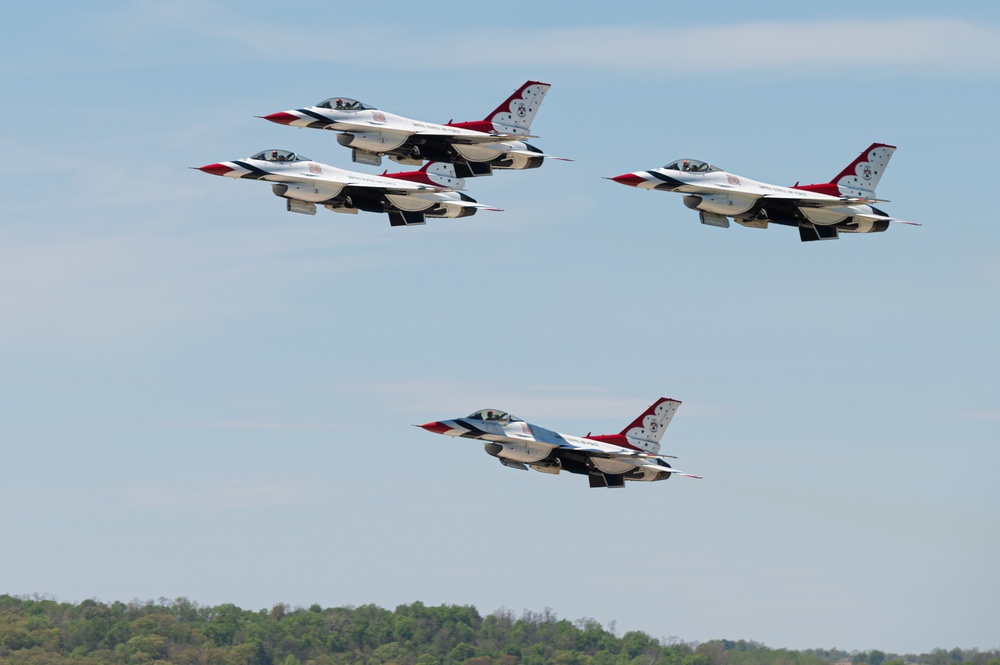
column 861, row 176
column 646, row 431
column 436, row 174
column 514, row 116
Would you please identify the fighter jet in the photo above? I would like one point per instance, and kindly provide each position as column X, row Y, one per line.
column 608, row 460
column 820, row 211
column 407, row 197
column 475, row 148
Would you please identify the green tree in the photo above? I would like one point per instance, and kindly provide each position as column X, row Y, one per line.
column 145, row 649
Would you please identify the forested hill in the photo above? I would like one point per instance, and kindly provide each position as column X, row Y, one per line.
column 41, row 631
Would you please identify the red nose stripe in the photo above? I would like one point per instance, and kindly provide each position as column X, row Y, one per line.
column 630, row 179
column 436, row 427
column 215, row 169
column 281, row 118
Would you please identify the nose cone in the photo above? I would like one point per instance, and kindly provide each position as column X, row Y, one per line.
column 436, row 427
column 630, row 179
column 281, row 118
column 215, row 169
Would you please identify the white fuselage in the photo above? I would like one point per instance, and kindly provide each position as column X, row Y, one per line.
column 740, row 194
column 527, row 443
column 315, row 182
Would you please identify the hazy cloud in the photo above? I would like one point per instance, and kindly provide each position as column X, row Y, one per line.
column 917, row 44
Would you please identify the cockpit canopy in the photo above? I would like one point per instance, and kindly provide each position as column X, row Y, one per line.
column 344, row 104
column 494, row 415
column 692, row 165
column 280, row 156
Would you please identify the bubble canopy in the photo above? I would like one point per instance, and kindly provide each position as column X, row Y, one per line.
column 280, row 156
column 692, row 165
column 494, row 415
column 344, row 104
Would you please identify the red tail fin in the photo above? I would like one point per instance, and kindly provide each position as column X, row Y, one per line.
column 860, row 177
column 435, row 174
column 644, row 433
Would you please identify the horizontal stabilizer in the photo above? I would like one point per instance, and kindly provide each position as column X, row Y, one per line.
column 529, row 153
column 668, row 469
column 826, row 203
column 474, row 204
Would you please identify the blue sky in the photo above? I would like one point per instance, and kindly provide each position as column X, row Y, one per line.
column 206, row 396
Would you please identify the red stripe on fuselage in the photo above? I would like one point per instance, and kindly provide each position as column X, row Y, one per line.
column 484, row 126
column 419, row 177
column 614, row 439
column 828, row 188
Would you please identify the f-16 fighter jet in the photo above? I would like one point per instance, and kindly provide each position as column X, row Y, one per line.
column 607, row 459
column 819, row 211
column 407, row 197
column 475, row 148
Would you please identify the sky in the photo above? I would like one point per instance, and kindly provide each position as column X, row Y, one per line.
column 203, row 395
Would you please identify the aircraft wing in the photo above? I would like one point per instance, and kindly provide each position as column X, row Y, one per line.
column 392, row 187
column 803, row 200
column 637, row 457
column 473, row 138
column 809, row 202
column 838, row 202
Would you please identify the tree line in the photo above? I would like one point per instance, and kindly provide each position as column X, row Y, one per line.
column 42, row 631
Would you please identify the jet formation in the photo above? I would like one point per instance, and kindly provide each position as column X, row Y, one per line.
column 449, row 153
column 608, row 460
